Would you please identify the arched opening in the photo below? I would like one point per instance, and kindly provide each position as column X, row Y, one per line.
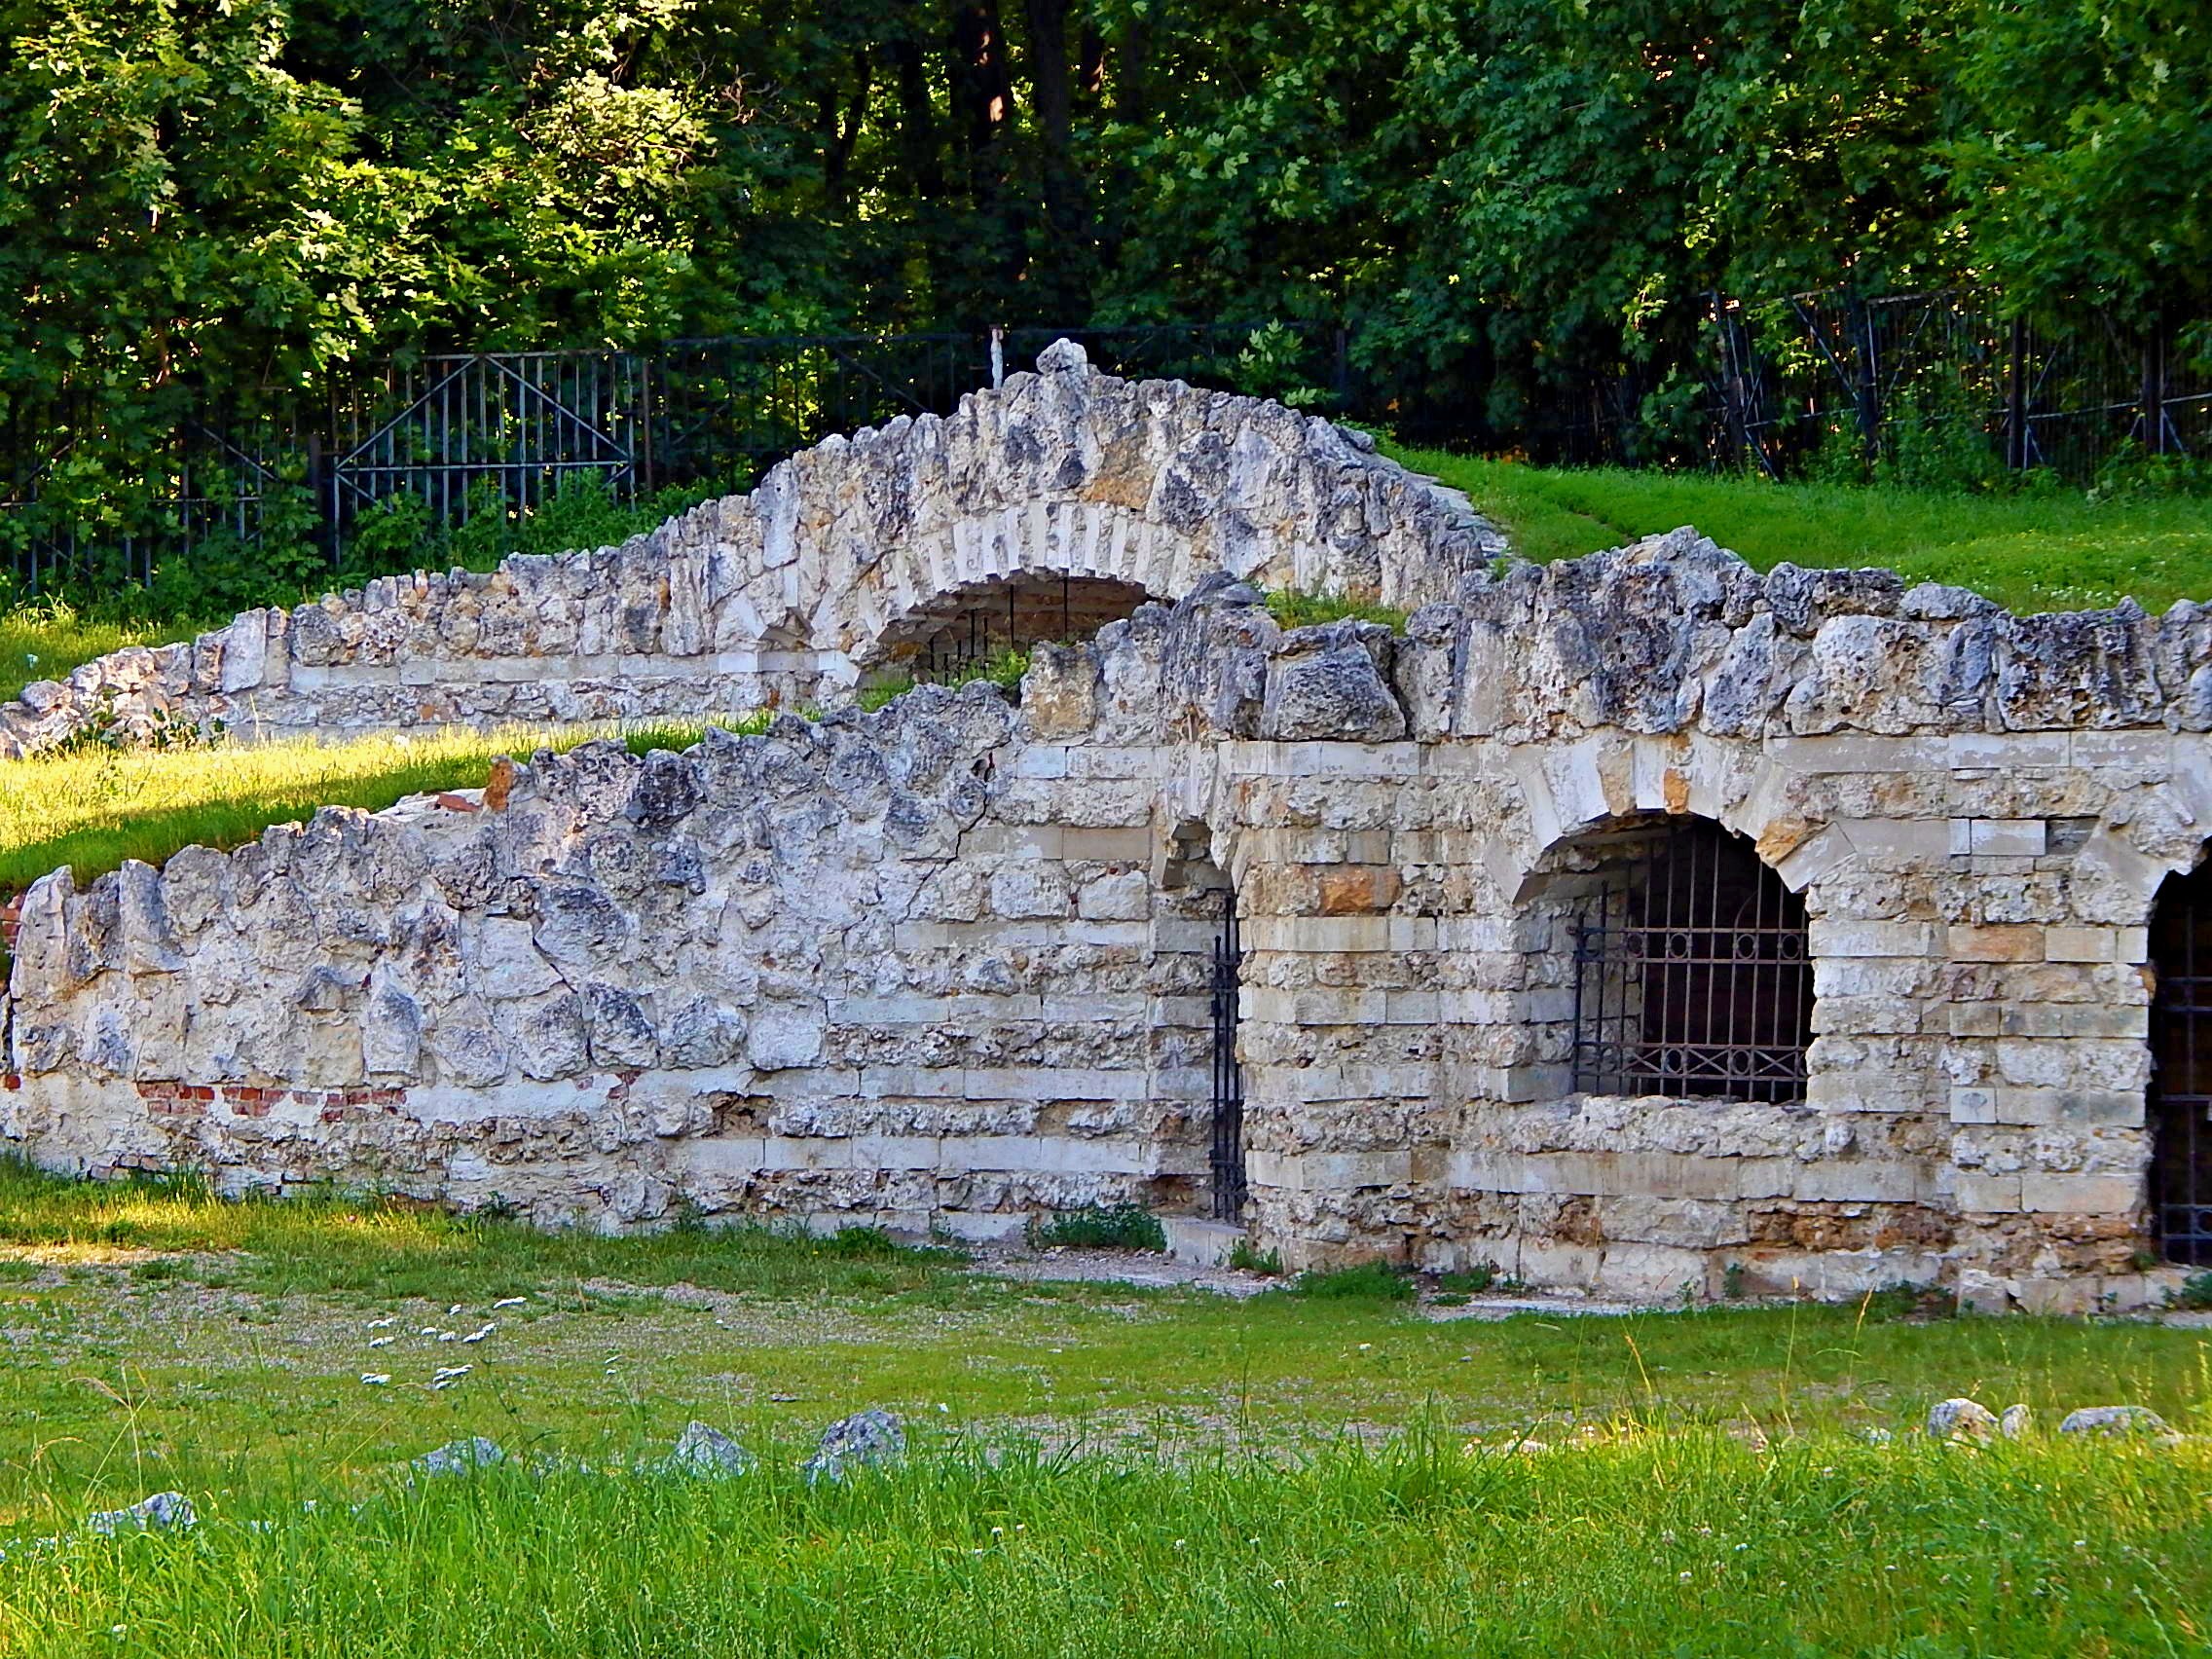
column 2181, row 1068
column 1691, row 975
column 977, row 621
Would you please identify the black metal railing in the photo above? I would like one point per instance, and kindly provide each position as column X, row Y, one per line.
column 1691, row 975
column 1880, row 375
column 1228, row 1160
column 2181, row 1070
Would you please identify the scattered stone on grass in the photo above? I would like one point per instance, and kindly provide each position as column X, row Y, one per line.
column 1961, row 1419
column 2017, row 1422
column 870, row 1439
column 462, row 1457
column 702, row 1449
column 161, row 1511
column 2111, row 1422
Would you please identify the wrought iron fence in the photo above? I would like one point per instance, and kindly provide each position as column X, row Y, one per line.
column 445, row 442
column 1865, row 380
column 448, row 439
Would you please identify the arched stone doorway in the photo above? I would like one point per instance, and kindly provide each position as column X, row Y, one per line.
column 979, row 620
column 2180, row 1095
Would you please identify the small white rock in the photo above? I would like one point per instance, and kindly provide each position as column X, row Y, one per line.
column 1961, row 1419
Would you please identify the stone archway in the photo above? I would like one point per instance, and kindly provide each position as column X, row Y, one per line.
column 974, row 621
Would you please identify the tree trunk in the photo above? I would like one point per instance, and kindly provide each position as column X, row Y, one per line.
column 1066, row 208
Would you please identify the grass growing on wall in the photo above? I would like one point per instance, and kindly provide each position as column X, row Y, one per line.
column 2030, row 551
column 94, row 807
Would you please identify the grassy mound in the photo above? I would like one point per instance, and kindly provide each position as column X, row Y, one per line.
column 2053, row 551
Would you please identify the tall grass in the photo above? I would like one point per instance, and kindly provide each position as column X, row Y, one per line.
column 2031, row 551
column 1688, row 1544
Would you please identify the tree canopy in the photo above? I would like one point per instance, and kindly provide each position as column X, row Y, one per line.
column 235, row 194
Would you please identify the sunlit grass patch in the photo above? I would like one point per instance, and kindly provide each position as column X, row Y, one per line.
column 95, row 807
column 45, row 642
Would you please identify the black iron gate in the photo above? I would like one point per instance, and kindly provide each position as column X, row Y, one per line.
column 1227, row 1075
column 2181, row 1070
column 1691, row 976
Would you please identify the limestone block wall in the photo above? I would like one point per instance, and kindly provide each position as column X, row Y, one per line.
column 945, row 967
column 780, row 597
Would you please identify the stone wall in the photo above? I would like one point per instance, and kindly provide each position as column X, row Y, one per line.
column 943, row 965
column 781, row 597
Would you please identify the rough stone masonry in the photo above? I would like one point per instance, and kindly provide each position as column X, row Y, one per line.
column 945, row 967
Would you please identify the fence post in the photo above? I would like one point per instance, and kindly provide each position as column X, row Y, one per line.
column 1867, row 394
column 2155, row 387
column 641, row 470
column 326, row 521
column 2016, row 445
column 1731, row 381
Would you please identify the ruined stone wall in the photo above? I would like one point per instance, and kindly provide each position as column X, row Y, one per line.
column 945, row 966
column 780, row 597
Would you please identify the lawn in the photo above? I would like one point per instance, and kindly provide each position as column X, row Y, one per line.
column 1096, row 1467
column 2052, row 550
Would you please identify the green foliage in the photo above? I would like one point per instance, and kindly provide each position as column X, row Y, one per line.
column 1368, row 1281
column 1274, row 364
column 1934, row 439
column 2195, row 1290
column 1104, row 1226
column 224, row 206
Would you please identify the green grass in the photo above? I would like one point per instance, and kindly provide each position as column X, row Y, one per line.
column 1649, row 1546
column 93, row 807
column 2031, row 551
column 1295, row 609
column 1097, row 1467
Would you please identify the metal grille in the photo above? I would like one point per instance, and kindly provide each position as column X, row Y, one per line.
column 2181, row 1070
column 1690, row 972
column 1227, row 1075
